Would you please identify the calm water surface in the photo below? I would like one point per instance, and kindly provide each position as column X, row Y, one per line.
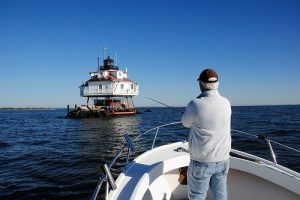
column 45, row 156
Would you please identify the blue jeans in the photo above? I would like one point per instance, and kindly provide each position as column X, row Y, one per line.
column 202, row 175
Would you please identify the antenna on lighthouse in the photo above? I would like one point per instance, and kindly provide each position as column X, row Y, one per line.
column 103, row 49
column 116, row 58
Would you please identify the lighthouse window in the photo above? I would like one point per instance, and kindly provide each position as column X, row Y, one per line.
column 100, row 87
column 122, row 86
column 132, row 86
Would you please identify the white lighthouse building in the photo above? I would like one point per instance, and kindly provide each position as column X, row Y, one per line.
column 110, row 89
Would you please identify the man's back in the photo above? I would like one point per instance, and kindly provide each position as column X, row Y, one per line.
column 208, row 116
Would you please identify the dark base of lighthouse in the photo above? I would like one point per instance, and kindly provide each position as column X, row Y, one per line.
column 80, row 113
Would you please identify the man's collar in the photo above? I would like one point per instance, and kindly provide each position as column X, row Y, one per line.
column 208, row 93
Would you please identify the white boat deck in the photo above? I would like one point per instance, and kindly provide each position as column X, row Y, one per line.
column 154, row 175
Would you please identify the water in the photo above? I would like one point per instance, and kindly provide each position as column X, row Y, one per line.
column 45, row 156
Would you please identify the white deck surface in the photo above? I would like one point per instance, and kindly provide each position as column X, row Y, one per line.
column 154, row 175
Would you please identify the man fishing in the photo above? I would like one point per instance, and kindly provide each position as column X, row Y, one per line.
column 209, row 118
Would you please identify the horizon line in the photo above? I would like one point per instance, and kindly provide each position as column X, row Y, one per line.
column 47, row 108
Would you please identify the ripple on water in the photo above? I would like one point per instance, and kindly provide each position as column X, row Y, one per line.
column 45, row 156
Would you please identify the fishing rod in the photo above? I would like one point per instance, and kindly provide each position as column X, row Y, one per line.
column 164, row 104
column 260, row 137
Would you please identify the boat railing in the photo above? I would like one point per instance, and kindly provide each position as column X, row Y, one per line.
column 85, row 91
column 107, row 177
column 268, row 141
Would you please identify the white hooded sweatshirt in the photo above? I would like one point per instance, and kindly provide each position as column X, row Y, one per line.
column 209, row 119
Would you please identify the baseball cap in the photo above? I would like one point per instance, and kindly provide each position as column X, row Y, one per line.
column 208, row 76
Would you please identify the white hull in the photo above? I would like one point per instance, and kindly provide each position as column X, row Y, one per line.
column 154, row 175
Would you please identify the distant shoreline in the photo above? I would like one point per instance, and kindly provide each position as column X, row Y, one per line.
column 8, row 108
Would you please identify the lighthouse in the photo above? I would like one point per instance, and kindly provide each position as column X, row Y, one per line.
column 108, row 92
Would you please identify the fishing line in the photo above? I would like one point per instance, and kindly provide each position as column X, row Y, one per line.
column 164, row 104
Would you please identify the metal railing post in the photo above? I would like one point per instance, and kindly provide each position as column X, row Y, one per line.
column 155, row 137
column 127, row 158
column 107, row 191
column 96, row 191
column 271, row 151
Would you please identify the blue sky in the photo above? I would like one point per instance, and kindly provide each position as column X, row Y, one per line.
column 48, row 48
